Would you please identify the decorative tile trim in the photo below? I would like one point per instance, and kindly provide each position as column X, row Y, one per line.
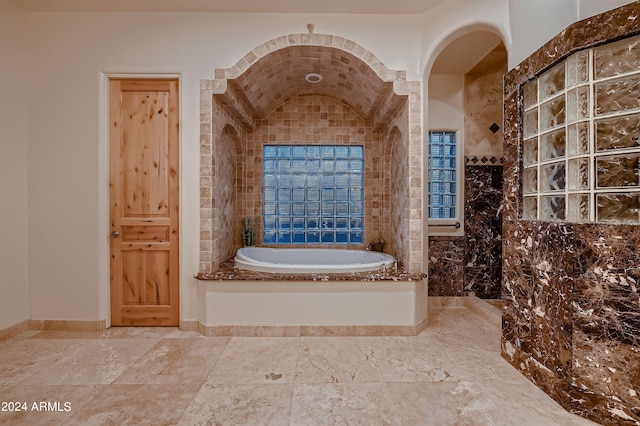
column 482, row 161
column 323, row 40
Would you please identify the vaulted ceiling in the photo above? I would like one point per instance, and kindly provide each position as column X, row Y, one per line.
column 280, row 75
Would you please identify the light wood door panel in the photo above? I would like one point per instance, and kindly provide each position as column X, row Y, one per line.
column 143, row 190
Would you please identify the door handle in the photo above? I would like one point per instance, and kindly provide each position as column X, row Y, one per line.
column 115, row 234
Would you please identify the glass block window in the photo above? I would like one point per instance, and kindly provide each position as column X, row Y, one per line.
column 442, row 175
column 581, row 130
column 313, row 194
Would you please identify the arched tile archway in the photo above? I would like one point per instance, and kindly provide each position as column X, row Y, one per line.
column 251, row 95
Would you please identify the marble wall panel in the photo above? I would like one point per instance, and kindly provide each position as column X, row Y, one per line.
column 571, row 310
column 606, row 317
column 483, row 232
column 446, row 267
column 512, row 171
column 471, row 265
column 537, row 321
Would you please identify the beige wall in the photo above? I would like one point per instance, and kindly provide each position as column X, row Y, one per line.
column 483, row 106
column 587, row 8
column 53, row 184
column 14, row 213
column 446, row 103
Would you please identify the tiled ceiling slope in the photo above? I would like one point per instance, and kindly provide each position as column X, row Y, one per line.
column 280, row 75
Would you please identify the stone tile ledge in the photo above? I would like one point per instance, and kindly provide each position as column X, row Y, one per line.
column 227, row 272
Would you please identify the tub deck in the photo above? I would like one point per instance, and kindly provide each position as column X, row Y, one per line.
column 228, row 272
column 238, row 302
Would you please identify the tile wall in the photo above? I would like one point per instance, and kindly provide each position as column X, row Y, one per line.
column 316, row 120
column 237, row 120
column 471, row 265
column 570, row 316
column 222, row 133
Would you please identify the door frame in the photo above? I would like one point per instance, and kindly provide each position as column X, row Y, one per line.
column 104, row 264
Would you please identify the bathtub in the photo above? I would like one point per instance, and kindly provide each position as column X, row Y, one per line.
column 310, row 260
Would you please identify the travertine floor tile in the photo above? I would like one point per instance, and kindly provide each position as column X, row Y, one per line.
column 248, row 404
column 139, row 332
column 42, row 404
column 343, row 404
column 458, row 326
column 533, row 406
column 178, row 361
column 21, row 359
column 256, row 360
column 451, row 374
column 335, row 360
column 408, row 359
column 135, row 405
column 442, row 403
column 471, row 364
column 99, row 361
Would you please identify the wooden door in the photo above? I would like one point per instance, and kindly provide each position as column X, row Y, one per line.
column 143, row 198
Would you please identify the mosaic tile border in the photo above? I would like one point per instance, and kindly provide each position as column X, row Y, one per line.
column 483, row 161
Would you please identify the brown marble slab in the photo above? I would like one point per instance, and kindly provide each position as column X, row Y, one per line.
column 228, row 272
column 446, row 266
column 571, row 314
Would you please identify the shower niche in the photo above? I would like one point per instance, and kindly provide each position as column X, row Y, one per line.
column 581, row 131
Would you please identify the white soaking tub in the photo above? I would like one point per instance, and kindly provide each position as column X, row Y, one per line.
column 310, row 260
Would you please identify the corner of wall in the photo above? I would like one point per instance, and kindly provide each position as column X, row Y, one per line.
column 14, row 297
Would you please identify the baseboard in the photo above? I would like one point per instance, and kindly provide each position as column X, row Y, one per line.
column 190, row 325
column 14, row 330
column 72, row 325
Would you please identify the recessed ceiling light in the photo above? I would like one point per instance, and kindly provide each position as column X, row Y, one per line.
column 313, row 78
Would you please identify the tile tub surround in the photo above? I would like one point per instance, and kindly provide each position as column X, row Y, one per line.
column 238, row 302
column 252, row 104
column 451, row 373
column 571, row 290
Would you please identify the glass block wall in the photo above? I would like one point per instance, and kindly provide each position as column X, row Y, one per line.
column 313, row 194
column 442, row 175
column 581, row 128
